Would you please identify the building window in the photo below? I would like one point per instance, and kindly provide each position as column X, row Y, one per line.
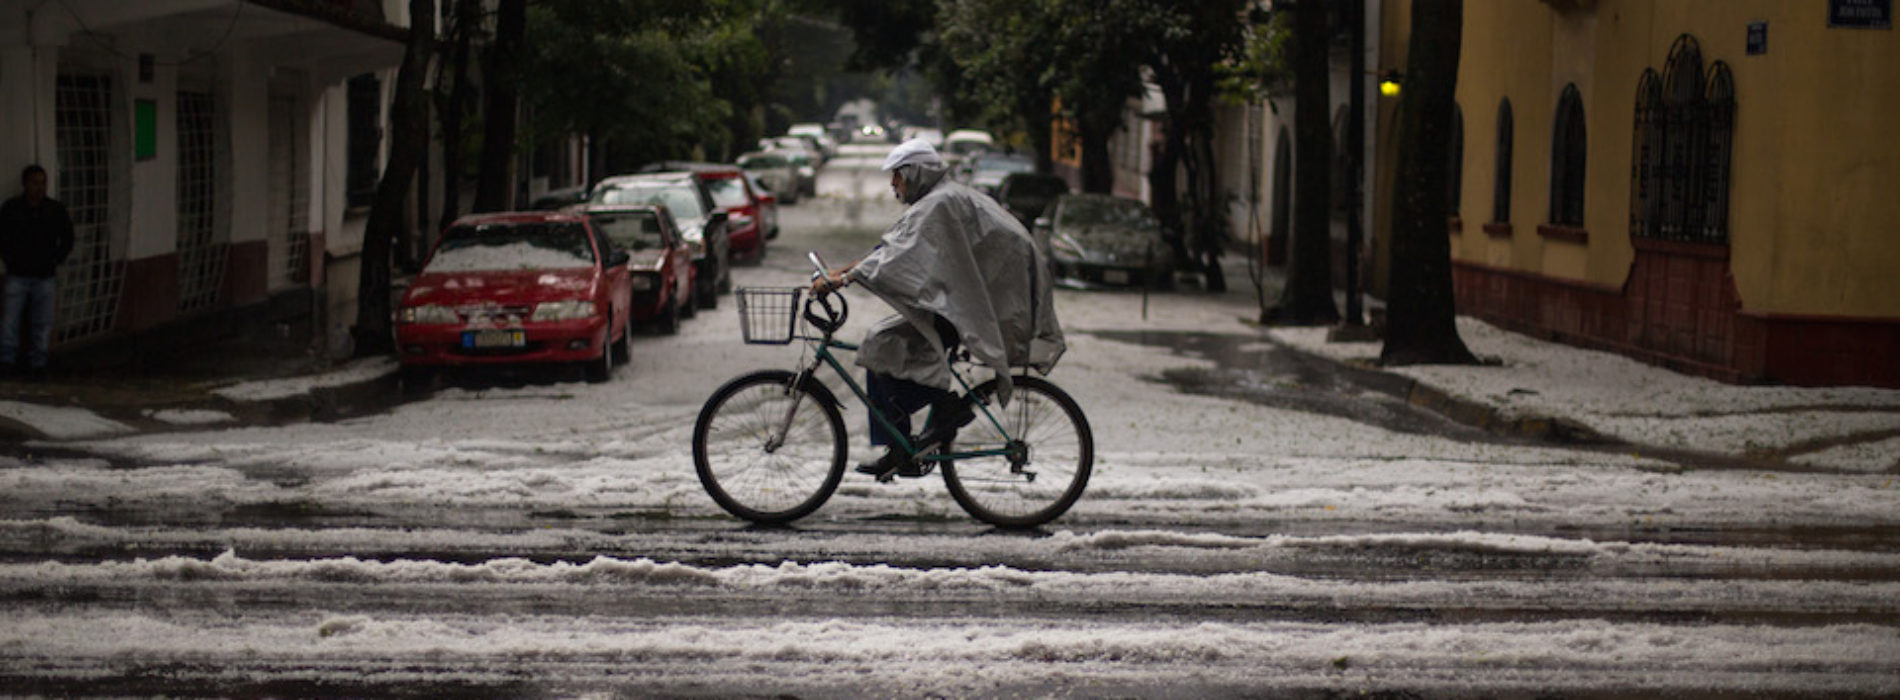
column 200, row 255
column 1567, row 153
column 365, row 138
column 1501, row 192
column 1685, row 120
column 92, row 279
column 1455, row 174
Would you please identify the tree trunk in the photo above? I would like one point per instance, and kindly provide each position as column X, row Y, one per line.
column 1164, row 173
column 1308, row 297
column 1038, row 113
column 494, row 191
column 1098, row 166
column 408, row 146
column 1203, row 184
column 452, row 108
column 1421, row 325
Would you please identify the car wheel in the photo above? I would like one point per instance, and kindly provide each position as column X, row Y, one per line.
column 707, row 294
column 623, row 347
column 690, row 307
column 669, row 322
column 600, row 369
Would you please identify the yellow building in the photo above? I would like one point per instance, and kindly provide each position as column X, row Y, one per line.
column 1710, row 185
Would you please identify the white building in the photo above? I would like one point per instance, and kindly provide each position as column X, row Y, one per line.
column 217, row 155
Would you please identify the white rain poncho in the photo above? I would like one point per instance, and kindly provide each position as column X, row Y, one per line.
column 956, row 253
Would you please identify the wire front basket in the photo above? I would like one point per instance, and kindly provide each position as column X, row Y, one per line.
column 768, row 315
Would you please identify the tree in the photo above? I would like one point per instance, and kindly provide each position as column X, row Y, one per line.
column 1195, row 41
column 1308, row 296
column 455, row 98
column 1421, row 315
column 1004, row 53
column 494, row 186
column 408, row 146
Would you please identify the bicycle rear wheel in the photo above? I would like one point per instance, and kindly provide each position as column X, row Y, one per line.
column 748, row 475
column 1055, row 447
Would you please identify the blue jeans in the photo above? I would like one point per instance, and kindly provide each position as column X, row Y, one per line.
column 24, row 296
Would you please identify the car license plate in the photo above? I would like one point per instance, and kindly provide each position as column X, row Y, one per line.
column 495, row 339
column 1115, row 276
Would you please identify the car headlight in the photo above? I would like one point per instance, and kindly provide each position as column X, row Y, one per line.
column 1066, row 246
column 427, row 313
column 562, row 310
column 644, row 283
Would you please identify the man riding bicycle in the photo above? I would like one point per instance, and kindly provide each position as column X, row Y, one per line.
column 960, row 271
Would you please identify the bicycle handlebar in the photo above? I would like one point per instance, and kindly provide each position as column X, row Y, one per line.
column 833, row 319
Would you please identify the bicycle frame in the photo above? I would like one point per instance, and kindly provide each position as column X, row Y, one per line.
column 823, row 356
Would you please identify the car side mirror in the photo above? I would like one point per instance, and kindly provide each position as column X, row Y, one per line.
column 619, row 257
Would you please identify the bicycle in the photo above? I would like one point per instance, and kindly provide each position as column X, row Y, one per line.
column 770, row 445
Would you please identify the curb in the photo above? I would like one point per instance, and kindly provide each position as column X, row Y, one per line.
column 1459, row 409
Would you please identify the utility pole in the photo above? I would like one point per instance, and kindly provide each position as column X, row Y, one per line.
column 1352, row 328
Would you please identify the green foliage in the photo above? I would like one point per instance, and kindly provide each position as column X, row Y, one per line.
column 654, row 78
column 1264, row 66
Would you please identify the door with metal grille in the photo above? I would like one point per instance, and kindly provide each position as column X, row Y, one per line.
column 289, row 197
column 91, row 280
column 200, row 254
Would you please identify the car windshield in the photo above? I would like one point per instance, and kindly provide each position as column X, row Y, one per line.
column 631, row 230
column 678, row 197
column 1084, row 215
column 727, row 191
column 539, row 245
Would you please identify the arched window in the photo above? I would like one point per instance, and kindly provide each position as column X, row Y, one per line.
column 1720, row 108
column 1646, row 158
column 1685, row 124
column 1567, row 160
column 1501, row 191
column 1455, row 174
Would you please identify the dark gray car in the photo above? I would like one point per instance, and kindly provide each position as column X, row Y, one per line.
column 702, row 223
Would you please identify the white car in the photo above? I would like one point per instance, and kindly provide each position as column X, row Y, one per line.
column 963, row 143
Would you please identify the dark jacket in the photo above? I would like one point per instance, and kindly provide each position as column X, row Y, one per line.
column 34, row 240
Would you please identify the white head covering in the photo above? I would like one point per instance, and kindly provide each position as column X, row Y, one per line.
column 912, row 152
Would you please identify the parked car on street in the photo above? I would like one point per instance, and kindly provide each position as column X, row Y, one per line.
column 776, row 171
column 702, row 223
column 751, row 218
column 1026, row 195
column 818, row 135
column 987, row 170
column 517, row 287
column 767, row 207
column 556, row 199
column 1100, row 240
column 963, row 143
column 658, row 258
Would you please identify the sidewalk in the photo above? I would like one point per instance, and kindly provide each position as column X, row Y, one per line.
column 1549, row 390
column 1531, row 388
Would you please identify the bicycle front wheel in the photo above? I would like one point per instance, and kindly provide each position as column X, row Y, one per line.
column 768, row 449
column 1054, row 453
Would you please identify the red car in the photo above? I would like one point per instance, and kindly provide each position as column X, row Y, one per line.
column 751, row 213
column 514, row 288
column 664, row 279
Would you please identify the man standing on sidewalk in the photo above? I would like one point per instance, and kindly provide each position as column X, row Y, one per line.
column 36, row 235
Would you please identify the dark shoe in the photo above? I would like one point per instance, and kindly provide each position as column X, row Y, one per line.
column 893, row 463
